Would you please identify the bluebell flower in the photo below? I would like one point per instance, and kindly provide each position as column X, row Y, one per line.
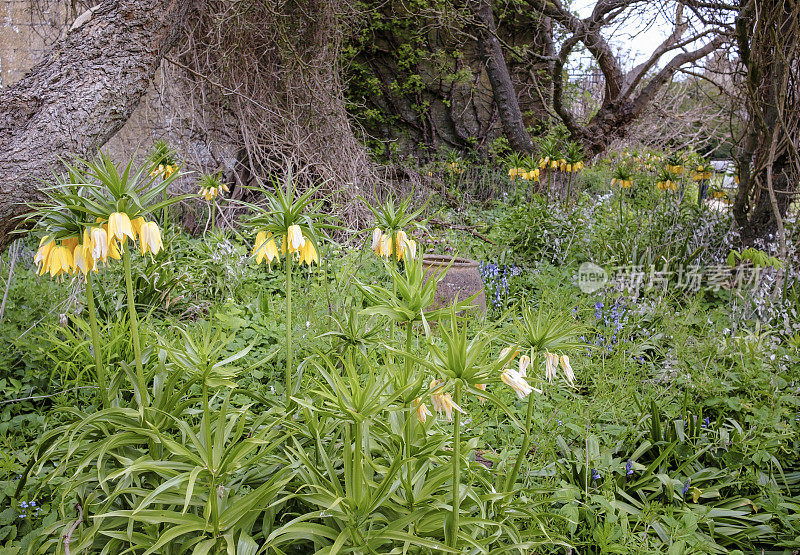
column 706, row 422
column 595, row 474
column 629, row 468
column 32, row 503
column 686, row 486
column 559, row 422
column 23, row 504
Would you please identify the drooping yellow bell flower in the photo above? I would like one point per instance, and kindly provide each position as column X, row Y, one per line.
column 83, row 259
column 308, row 254
column 442, row 402
column 43, row 253
column 264, row 248
column 119, row 226
column 295, row 239
column 550, row 366
column 377, row 234
column 136, row 226
column 385, row 246
column 565, row 366
column 150, row 238
column 99, row 241
column 518, row 383
column 422, row 411
column 524, row 362
column 60, row 261
column 71, row 242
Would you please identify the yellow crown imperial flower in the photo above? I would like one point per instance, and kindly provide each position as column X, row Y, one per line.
column 99, row 241
column 150, row 238
column 550, row 366
column 377, row 234
column 294, row 239
column 422, row 411
column 518, row 383
column 567, row 368
column 136, row 226
column 43, row 253
column 524, row 362
column 83, row 259
column 119, row 226
column 308, row 254
column 60, row 261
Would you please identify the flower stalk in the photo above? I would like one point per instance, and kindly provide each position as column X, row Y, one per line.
column 456, row 466
column 134, row 321
column 287, row 377
column 98, row 359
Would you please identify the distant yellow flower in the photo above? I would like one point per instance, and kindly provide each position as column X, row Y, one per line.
column 482, row 387
column 543, row 162
column 667, row 185
column 60, row 261
column 405, row 247
column 422, row 411
column 550, row 366
column 377, row 234
column 43, row 253
column 150, row 238
column 295, row 239
column 677, row 170
column 385, row 246
column 168, row 170
column 565, row 366
column 119, row 226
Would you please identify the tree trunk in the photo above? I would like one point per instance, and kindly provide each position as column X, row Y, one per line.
column 503, row 88
column 768, row 36
column 83, row 92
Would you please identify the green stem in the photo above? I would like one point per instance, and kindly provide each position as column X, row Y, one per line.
column 512, row 478
column 288, row 371
column 569, row 190
column 98, row 359
column 357, row 462
column 456, row 465
column 137, row 346
column 212, row 493
column 213, row 213
column 408, row 428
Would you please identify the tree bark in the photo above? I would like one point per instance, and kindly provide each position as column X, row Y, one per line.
column 80, row 94
column 768, row 38
column 505, row 96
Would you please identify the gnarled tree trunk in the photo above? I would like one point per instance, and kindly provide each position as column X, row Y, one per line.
column 83, row 92
column 505, row 96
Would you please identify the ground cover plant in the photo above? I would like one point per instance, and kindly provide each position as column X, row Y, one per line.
column 289, row 385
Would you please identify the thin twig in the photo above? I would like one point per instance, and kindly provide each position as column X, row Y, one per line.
column 68, row 535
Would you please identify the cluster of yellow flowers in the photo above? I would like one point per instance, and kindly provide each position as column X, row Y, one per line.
column 442, row 403
column 453, row 167
column 82, row 253
column 515, row 379
column 560, row 164
column 164, row 170
column 567, row 167
column 294, row 241
column 400, row 248
column 210, row 193
column 677, row 170
column 624, row 183
column 702, row 173
column 525, row 175
column 667, row 185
